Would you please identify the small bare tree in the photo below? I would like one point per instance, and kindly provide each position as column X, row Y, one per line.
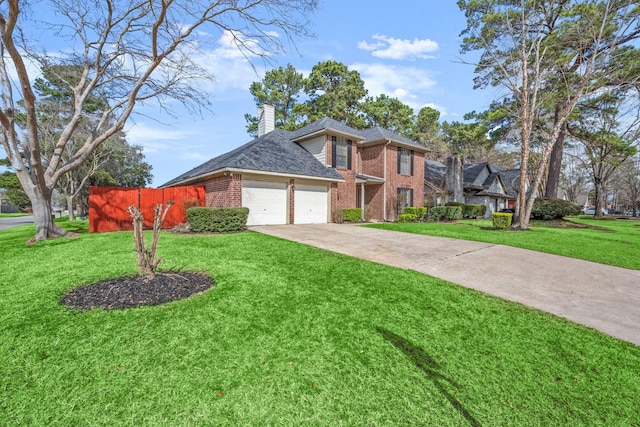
column 146, row 257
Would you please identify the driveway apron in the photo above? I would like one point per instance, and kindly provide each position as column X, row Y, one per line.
column 599, row 296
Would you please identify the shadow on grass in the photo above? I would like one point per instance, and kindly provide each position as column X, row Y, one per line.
column 430, row 367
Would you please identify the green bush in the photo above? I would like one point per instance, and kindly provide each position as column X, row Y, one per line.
column 474, row 211
column 217, row 219
column 549, row 208
column 446, row 213
column 419, row 212
column 352, row 215
column 455, row 204
column 502, row 220
column 407, row 217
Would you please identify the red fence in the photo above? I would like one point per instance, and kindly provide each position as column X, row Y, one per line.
column 108, row 206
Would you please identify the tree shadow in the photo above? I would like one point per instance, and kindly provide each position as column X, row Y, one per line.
column 430, row 367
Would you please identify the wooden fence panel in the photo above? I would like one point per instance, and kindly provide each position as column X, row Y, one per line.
column 183, row 199
column 150, row 197
column 108, row 206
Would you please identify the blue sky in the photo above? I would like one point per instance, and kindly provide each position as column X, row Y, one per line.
column 408, row 49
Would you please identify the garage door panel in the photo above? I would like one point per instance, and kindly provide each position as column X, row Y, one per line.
column 311, row 204
column 267, row 202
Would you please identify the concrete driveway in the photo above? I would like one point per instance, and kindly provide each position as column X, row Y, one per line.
column 599, row 296
column 9, row 222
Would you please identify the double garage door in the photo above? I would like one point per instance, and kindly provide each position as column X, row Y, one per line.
column 268, row 203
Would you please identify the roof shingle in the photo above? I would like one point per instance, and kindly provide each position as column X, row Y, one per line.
column 273, row 152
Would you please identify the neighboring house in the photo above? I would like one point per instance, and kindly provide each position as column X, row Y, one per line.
column 311, row 174
column 476, row 183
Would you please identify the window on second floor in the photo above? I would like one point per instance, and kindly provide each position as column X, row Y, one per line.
column 341, row 153
column 405, row 161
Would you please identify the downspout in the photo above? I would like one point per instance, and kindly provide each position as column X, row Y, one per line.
column 362, row 202
column 384, row 193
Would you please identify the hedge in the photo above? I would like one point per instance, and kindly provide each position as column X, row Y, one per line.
column 352, row 214
column 407, row 217
column 455, row 204
column 446, row 213
column 217, row 219
column 549, row 208
column 502, row 220
column 474, row 211
column 419, row 212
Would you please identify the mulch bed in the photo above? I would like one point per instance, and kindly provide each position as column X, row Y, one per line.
column 136, row 291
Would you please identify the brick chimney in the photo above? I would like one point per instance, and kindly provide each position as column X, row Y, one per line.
column 266, row 119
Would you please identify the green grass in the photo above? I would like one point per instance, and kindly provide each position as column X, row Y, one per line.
column 12, row 215
column 613, row 242
column 290, row 335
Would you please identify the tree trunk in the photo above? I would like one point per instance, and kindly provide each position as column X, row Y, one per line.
column 43, row 218
column 70, row 207
column 599, row 193
column 555, row 166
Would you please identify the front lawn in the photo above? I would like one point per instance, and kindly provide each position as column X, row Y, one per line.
column 613, row 242
column 290, row 335
column 12, row 215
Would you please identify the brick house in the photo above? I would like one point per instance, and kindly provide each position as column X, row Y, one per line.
column 311, row 174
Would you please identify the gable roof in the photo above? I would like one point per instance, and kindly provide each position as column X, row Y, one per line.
column 272, row 152
column 323, row 125
column 379, row 134
column 434, row 171
column 511, row 179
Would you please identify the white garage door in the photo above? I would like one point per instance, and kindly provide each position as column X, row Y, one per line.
column 267, row 202
column 311, row 204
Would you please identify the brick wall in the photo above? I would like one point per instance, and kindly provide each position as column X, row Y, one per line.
column 292, row 201
column 396, row 180
column 224, row 191
column 343, row 194
column 372, row 160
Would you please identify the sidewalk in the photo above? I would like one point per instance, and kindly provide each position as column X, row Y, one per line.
column 599, row 296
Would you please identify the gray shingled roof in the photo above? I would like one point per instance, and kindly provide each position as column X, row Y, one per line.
column 381, row 134
column 273, row 152
column 323, row 124
column 511, row 178
column 471, row 171
column 434, row 171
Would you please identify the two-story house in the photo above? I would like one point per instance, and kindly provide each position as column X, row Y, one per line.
column 311, row 174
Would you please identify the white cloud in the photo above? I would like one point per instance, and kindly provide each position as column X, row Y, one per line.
column 443, row 110
column 400, row 49
column 155, row 138
column 410, row 85
column 230, row 64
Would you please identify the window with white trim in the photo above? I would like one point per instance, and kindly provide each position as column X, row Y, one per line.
column 341, row 150
column 405, row 198
column 405, row 161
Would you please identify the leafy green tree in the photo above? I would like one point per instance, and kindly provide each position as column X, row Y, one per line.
column 596, row 124
column 281, row 88
column 127, row 53
column 463, row 138
column 12, row 192
column 426, row 129
column 546, row 55
column 336, row 92
column 389, row 113
column 629, row 182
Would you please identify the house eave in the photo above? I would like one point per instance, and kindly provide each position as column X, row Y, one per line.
column 252, row 172
column 395, row 144
column 328, row 131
